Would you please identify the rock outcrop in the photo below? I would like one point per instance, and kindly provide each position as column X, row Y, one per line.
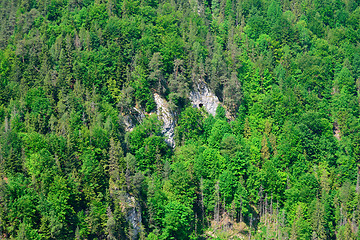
column 131, row 207
column 136, row 116
column 201, row 96
column 134, row 216
column 336, row 130
column 167, row 117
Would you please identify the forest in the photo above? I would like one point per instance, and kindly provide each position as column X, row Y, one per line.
column 83, row 154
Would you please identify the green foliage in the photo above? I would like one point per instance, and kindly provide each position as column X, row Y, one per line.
column 210, row 164
column 150, row 155
column 219, row 129
column 280, row 159
column 189, row 125
column 227, row 185
column 149, row 127
column 176, row 221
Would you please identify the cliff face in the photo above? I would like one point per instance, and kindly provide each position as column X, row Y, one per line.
column 201, row 96
column 133, row 215
column 167, row 117
column 164, row 114
column 136, row 116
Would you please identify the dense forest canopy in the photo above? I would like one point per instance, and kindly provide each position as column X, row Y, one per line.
column 279, row 160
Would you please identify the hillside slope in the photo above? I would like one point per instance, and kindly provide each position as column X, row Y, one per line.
column 83, row 154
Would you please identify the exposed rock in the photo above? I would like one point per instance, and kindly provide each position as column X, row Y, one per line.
column 164, row 114
column 336, row 130
column 135, row 116
column 133, row 214
column 129, row 125
column 167, row 117
column 201, row 96
column 134, row 217
column 228, row 114
column 140, row 115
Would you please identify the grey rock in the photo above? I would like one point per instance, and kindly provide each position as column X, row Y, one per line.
column 128, row 122
column 135, row 116
column 167, row 117
column 133, row 215
column 201, row 96
column 139, row 115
